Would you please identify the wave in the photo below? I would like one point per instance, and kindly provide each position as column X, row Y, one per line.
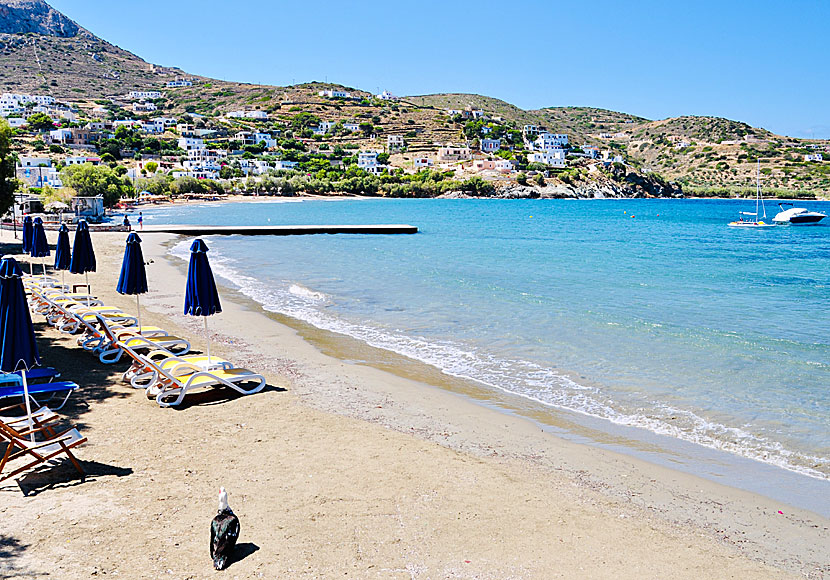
column 523, row 378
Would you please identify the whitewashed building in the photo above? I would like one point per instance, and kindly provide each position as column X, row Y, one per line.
column 353, row 127
column 176, row 84
column 191, row 143
column 553, row 157
column 258, row 115
column 334, row 94
column 814, row 157
column 145, row 95
column 421, row 162
column 395, row 143
column 386, row 96
column 454, row 153
column 547, row 141
column 285, row 165
column 490, row 145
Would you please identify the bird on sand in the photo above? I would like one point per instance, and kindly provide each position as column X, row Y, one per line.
column 224, row 531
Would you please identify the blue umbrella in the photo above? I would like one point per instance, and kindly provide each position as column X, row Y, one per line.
column 201, row 297
column 133, row 278
column 27, row 237
column 40, row 246
column 62, row 252
column 83, row 256
column 19, row 349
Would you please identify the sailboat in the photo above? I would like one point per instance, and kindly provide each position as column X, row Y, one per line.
column 752, row 220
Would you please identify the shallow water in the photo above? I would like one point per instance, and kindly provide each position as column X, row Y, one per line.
column 648, row 313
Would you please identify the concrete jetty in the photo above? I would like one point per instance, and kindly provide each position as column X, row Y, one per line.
column 195, row 230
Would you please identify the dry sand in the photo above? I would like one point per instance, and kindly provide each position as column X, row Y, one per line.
column 344, row 470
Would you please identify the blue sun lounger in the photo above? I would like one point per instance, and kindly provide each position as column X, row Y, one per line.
column 35, row 375
column 52, row 389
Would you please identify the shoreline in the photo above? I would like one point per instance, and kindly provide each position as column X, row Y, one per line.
column 691, row 515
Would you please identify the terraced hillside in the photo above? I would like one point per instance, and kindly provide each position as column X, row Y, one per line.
column 43, row 52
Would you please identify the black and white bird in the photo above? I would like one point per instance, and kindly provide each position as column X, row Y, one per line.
column 224, row 531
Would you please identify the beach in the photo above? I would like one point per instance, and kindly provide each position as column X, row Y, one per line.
column 343, row 469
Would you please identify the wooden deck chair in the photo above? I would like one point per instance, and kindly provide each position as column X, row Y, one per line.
column 52, row 445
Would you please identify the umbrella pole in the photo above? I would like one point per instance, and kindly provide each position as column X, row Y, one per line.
column 138, row 307
column 28, row 405
column 43, row 263
column 207, row 336
column 88, row 290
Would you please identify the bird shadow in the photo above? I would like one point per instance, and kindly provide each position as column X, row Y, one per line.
column 242, row 551
column 62, row 474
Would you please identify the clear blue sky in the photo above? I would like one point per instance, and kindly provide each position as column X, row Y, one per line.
column 762, row 62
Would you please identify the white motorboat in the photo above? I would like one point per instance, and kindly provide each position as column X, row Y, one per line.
column 797, row 215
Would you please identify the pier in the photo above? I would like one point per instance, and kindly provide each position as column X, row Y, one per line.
column 195, row 230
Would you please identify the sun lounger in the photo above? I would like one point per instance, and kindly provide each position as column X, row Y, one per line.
column 32, row 375
column 25, row 423
column 52, row 445
column 146, row 369
column 170, row 390
column 119, row 338
column 38, row 390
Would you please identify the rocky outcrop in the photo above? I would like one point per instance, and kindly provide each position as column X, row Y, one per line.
column 24, row 16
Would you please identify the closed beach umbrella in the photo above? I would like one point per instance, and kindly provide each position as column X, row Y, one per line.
column 201, row 297
column 83, row 256
column 27, row 237
column 19, row 349
column 40, row 246
column 133, row 278
column 63, row 254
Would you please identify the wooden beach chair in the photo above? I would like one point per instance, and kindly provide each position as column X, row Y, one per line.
column 51, row 446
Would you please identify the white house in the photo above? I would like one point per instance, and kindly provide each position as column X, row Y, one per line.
column 552, row 157
column 185, row 129
column 16, row 122
column 190, row 143
column 81, row 160
column 590, row 151
column 419, row 162
column 814, row 157
column 395, row 143
column 60, row 135
column 23, row 99
column 167, row 122
column 548, row 141
column 145, row 95
column 124, row 123
column 490, row 145
column 285, row 165
column 333, row 94
column 154, row 127
column 259, row 115
column 34, row 162
column 367, row 159
column 143, row 107
column 454, row 153
column 266, row 138
column 176, row 84
column 353, row 127
column 386, row 96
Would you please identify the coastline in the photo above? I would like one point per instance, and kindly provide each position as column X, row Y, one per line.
column 425, row 481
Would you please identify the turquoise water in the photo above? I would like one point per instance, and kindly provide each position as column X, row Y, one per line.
column 648, row 313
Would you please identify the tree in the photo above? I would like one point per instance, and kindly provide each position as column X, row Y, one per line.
column 91, row 180
column 40, row 122
column 366, row 127
column 8, row 183
column 151, row 166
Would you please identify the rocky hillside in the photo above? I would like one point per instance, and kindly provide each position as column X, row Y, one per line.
column 43, row 52
column 35, row 16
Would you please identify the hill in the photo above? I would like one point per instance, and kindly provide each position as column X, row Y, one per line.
column 44, row 52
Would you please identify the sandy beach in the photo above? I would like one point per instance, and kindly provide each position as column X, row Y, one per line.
column 340, row 469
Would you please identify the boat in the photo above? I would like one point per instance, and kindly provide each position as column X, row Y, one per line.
column 752, row 220
column 797, row 215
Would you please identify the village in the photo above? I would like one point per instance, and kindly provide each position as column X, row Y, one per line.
column 241, row 149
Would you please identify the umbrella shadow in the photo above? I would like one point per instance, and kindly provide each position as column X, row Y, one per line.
column 62, row 474
column 11, row 550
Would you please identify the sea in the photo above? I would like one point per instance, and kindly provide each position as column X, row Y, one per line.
column 647, row 316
